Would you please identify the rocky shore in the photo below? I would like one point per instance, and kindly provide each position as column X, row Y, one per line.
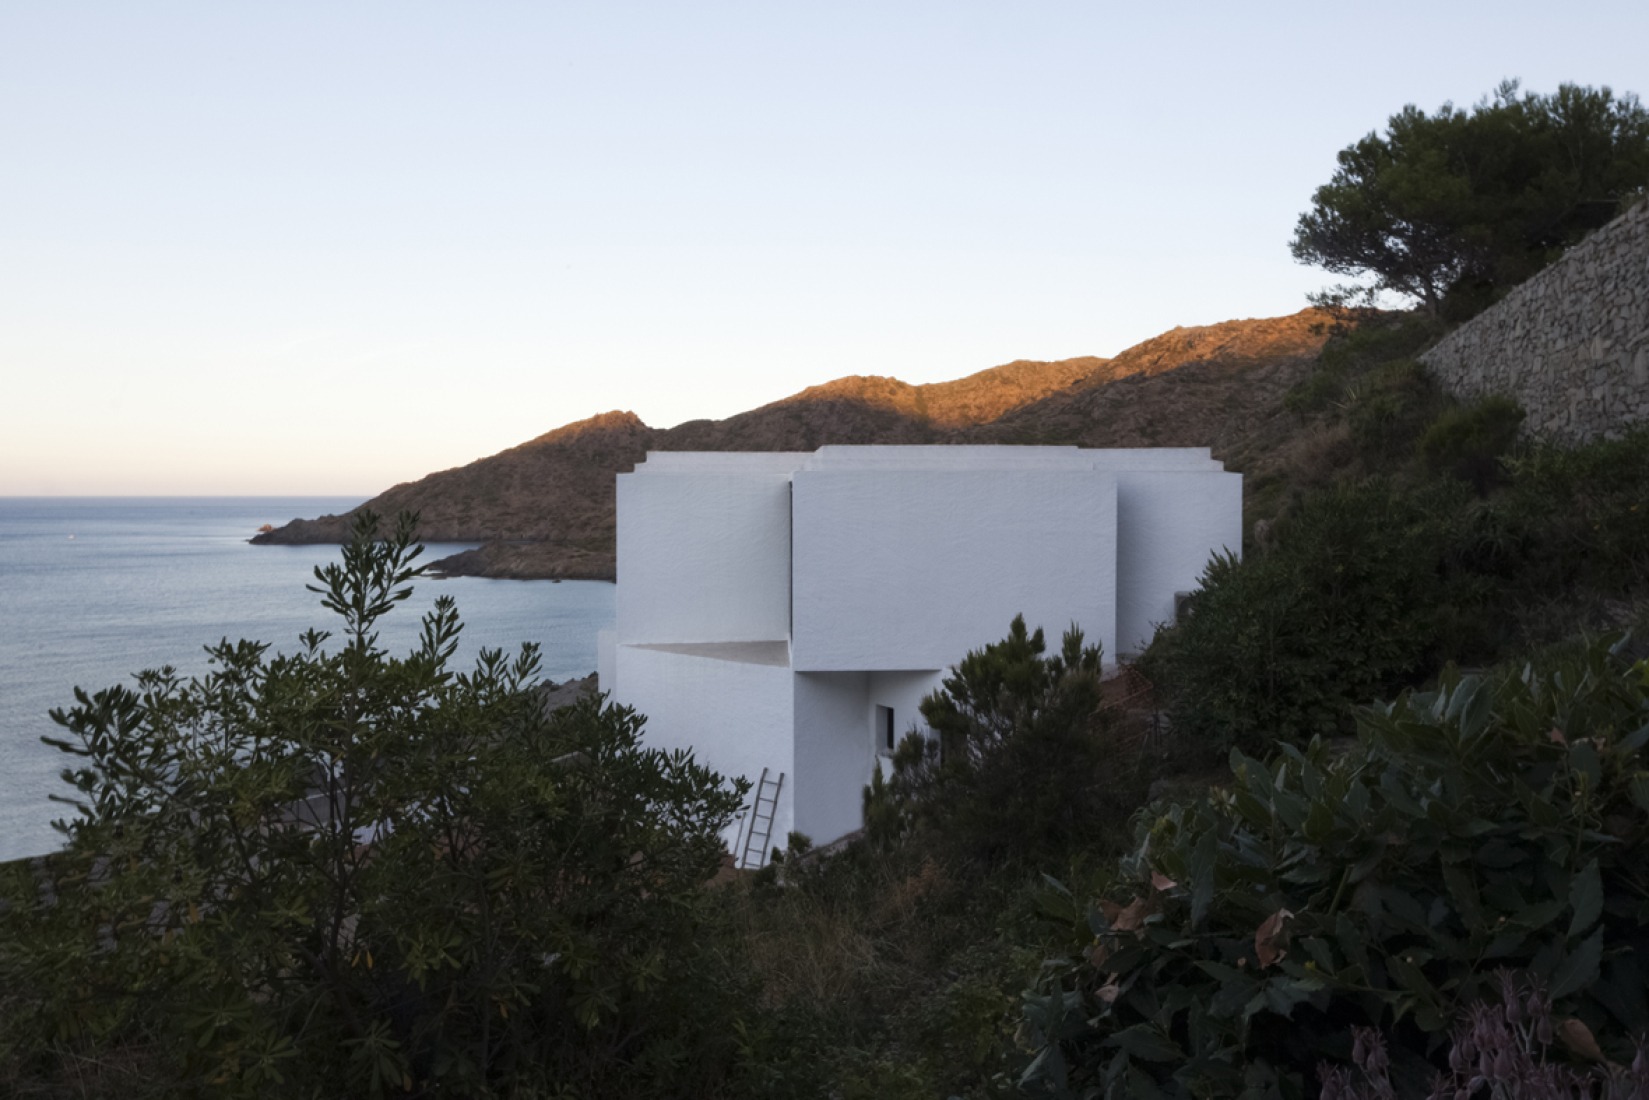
column 527, row 561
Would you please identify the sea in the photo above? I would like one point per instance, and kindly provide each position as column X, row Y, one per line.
column 96, row 589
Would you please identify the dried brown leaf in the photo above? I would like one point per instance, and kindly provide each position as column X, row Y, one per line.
column 1132, row 918
column 1271, row 938
column 1578, row 1038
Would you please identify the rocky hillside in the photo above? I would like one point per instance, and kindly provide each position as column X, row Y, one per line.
column 541, row 509
column 1216, row 386
column 546, row 508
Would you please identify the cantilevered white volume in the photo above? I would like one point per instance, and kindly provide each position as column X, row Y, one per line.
column 788, row 611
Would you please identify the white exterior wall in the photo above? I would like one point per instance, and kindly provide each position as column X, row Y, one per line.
column 734, row 716
column 769, row 603
column 606, row 660
column 904, row 692
column 838, row 742
column 910, row 568
column 1169, row 524
column 833, row 754
column 704, row 556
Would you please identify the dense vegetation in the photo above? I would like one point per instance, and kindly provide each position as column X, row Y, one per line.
column 1416, row 534
column 1494, row 822
column 338, row 872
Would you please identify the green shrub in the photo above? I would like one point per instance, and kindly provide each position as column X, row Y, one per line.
column 1373, row 339
column 1388, row 410
column 1495, row 822
column 342, row 872
column 1353, row 600
column 1318, row 392
column 887, row 971
column 1581, row 515
column 1468, row 441
column 1022, row 765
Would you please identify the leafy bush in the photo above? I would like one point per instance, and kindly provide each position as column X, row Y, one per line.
column 1468, row 441
column 1389, row 409
column 341, row 872
column 1581, row 515
column 1364, row 588
column 1492, row 823
column 1022, row 764
column 1370, row 340
column 1352, row 600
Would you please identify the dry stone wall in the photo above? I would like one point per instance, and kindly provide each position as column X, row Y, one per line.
column 1571, row 345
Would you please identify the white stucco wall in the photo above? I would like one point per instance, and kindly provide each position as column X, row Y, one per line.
column 837, row 742
column 1169, row 523
column 735, row 716
column 833, row 754
column 704, row 556
column 903, row 692
column 903, row 568
column 606, row 659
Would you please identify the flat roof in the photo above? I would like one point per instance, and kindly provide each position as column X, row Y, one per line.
column 929, row 457
column 735, row 462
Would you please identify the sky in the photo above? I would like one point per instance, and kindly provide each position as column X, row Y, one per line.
column 330, row 247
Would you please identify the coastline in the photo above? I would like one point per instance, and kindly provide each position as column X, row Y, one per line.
column 521, row 559
column 148, row 582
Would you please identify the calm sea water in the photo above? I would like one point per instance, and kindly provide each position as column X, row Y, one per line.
column 93, row 590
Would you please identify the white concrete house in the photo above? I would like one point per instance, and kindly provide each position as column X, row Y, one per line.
column 788, row 611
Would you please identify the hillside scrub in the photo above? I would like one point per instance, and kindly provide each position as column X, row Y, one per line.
column 1024, row 761
column 886, row 973
column 895, row 968
column 1358, row 597
column 1498, row 822
column 339, row 872
column 1436, row 536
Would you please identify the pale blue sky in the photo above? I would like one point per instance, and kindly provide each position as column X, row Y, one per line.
column 307, row 247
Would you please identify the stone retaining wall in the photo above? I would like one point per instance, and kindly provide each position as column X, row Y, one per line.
column 1571, row 345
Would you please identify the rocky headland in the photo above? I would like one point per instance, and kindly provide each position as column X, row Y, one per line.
column 545, row 508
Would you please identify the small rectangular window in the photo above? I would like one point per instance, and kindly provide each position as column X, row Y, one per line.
column 884, row 728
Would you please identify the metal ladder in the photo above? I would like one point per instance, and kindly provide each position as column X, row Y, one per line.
column 763, row 809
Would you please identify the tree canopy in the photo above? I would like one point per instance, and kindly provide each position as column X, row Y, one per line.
column 341, row 872
column 1452, row 209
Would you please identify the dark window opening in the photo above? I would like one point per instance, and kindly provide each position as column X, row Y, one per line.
column 884, row 726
